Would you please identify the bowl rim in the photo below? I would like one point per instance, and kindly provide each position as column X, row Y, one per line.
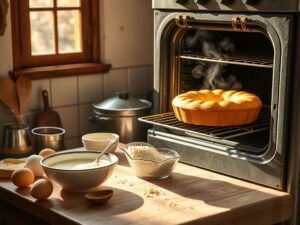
column 80, row 152
column 84, row 137
column 176, row 156
column 60, row 131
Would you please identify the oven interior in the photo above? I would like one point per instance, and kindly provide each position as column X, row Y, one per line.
column 216, row 57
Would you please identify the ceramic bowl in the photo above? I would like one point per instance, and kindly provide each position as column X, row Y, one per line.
column 98, row 141
column 78, row 179
column 151, row 167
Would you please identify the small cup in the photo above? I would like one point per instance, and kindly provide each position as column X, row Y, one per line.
column 98, row 141
column 48, row 137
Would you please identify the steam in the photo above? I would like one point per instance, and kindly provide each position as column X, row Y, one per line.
column 212, row 73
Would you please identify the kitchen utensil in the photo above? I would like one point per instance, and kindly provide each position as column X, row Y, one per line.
column 98, row 141
column 23, row 85
column 48, row 137
column 78, row 180
column 147, row 164
column 99, row 197
column 48, row 117
column 8, row 96
column 120, row 115
column 16, row 141
column 110, row 143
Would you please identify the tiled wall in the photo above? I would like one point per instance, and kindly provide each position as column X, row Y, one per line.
column 72, row 97
column 126, row 30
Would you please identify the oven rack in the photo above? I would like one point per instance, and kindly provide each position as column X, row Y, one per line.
column 236, row 59
column 168, row 120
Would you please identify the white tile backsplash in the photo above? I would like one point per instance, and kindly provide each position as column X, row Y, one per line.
column 71, row 143
column 140, row 81
column 70, row 120
column 64, row 91
column 85, row 126
column 90, row 88
column 114, row 81
column 36, row 100
column 126, row 39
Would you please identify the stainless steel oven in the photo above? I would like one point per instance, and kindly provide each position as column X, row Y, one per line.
column 245, row 45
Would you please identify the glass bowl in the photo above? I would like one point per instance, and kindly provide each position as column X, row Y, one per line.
column 152, row 165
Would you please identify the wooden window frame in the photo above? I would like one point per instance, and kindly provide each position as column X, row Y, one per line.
column 49, row 66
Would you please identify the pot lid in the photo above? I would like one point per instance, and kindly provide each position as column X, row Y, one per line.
column 122, row 104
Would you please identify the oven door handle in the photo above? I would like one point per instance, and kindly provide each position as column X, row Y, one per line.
column 237, row 23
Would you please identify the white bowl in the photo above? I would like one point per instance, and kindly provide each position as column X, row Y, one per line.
column 98, row 141
column 78, row 179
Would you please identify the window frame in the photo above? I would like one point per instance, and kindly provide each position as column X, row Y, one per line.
column 47, row 66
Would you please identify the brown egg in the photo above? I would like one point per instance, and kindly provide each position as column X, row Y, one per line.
column 46, row 152
column 22, row 177
column 41, row 189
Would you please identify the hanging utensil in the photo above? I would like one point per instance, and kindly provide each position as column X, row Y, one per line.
column 48, row 117
column 8, row 95
column 24, row 87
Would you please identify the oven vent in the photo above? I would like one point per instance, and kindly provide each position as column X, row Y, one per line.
column 243, row 60
column 168, row 120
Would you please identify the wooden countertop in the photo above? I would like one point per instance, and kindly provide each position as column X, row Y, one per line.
column 190, row 196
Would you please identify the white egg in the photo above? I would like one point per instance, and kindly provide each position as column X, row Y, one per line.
column 33, row 163
column 41, row 189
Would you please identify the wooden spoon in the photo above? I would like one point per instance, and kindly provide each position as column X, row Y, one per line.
column 99, row 197
column 8, row 95
column 24, row 87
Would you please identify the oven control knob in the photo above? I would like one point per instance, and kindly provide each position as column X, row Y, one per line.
column 202, row 2
column 225, row 2
column 180, row 1
column 250, row 2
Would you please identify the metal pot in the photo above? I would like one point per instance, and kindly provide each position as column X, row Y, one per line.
column 120, row 115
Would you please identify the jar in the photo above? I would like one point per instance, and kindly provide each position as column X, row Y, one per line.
column 120, row 115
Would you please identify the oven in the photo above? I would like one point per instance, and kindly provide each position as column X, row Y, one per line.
column 242, row 45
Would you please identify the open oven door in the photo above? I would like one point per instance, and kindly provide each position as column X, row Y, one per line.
column 261, row 65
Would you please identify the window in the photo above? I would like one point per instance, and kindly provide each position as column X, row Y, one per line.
column 55, row 37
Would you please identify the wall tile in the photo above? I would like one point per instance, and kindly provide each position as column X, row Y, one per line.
column 69, row 118
column 126, row 39
column 64, row 91
column 38, row 86
column 71, row 143
column 140, row 81
column 90, row 88
column 86, row 126
column 32, row 118
column 114, row 81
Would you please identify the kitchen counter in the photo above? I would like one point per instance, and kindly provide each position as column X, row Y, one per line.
column 190, row 196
